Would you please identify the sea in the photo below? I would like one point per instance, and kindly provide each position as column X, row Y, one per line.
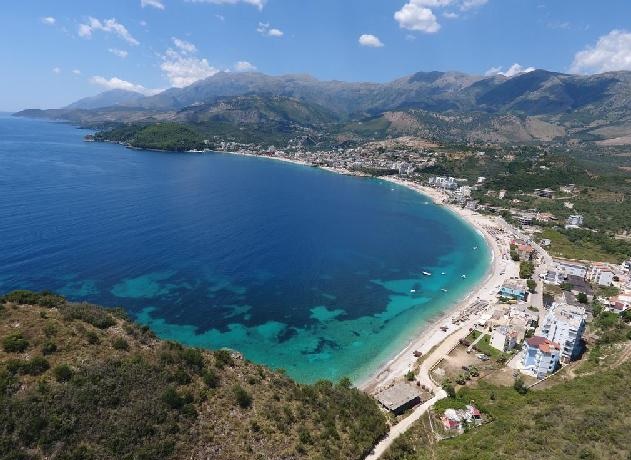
column 297, row 268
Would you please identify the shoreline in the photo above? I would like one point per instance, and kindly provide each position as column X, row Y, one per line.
column 432, row 334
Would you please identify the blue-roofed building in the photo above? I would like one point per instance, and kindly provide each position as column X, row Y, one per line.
column 514, row 289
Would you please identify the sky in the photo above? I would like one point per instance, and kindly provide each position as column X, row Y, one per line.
column 55, row 52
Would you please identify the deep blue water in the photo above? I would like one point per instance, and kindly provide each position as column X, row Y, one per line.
column 295, row 267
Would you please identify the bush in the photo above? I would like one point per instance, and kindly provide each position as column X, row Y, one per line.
column 63, row 373
column 36, row 366
column 526, row 269
column 91, row 314
column 120, row 343
column 520, row 386
column 211, row 379
column 49, row 348
column 409, row 376
column 449, row 389
column 223, row 358
column 193, row 358
column 532, row 286
column 181, row 377
column 242, row 397
column 23, row 297
column 14, row 343
column 92, row 337
column 172, row 398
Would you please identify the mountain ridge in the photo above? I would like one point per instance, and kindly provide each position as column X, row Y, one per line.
column 580, row 107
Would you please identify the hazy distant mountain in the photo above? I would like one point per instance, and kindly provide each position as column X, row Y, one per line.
column 534, row 106
column 431, row 90
column 106, row 99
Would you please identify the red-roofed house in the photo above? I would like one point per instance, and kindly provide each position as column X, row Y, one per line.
column 541, row 356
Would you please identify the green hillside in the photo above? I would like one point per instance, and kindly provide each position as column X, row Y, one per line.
column 584, row 418
column 81, row 382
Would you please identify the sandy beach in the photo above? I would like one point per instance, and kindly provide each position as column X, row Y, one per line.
column 443, row 332
column 441, row 335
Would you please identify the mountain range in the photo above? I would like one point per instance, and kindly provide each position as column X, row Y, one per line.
column 530, row 107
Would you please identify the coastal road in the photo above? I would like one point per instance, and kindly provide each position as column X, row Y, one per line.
column 423, row 376
column 401, row 427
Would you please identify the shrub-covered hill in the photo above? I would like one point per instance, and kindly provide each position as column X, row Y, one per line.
column 81, row 382
column 587, row 417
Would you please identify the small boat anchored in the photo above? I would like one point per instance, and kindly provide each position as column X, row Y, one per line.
column 443, row 273
column 412, row 291
column 444, row 290
column 464, row 276
column 427, row 274
column 475, row 248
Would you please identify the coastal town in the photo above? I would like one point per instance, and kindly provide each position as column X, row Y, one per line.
column 526, row 323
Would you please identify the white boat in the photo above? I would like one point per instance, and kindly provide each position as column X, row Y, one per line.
column 464, row 276
column 427, row 274
column 444, row 290
column 443, row 273
column 475, row 248
column 412, row 290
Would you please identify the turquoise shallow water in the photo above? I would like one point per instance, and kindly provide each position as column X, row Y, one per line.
column 297, row 268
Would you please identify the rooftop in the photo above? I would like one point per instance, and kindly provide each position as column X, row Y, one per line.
column 514, row 284
column 571, row 314
column 545, row 345
column 397, row 395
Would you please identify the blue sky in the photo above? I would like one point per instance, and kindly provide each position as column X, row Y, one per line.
column 56, row 52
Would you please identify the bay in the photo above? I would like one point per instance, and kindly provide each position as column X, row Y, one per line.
column 297, row 268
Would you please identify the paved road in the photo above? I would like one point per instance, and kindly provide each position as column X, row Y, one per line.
column 403, row 426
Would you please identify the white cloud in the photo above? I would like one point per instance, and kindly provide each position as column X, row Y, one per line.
column 467, row 5
column 265, row 29
column 419, row 15
column 49, row 20
column 370, row 40
column 153, row 3
column 56, row 70
column 244, row 66
column 76, row 72
column 413, row 16
column 515, row 69
column 117, row 83
column 258, row 3
column 493, row 71
column 221, row 17
column 120, row 53
column 143, row 23
column 183, row 68
column 184, row 46
column 611, row 52
column 107, row 25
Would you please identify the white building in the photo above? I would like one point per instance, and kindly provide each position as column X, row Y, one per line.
column 572, row 268
column 541, row 356
column 503, row 339
column 564, row 324
column 574, row 221
column 448, row 183
column 405, row 169
column 601, row 274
